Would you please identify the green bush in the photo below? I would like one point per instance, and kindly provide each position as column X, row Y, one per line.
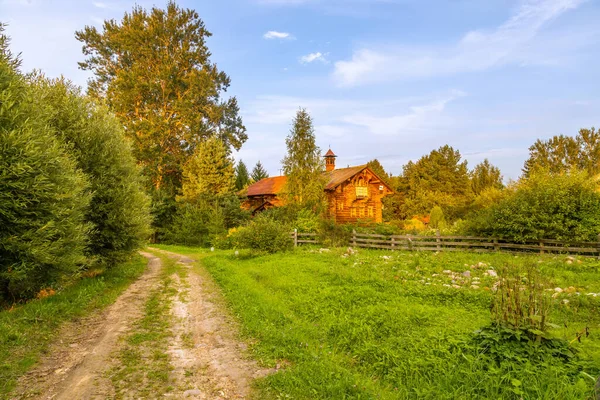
column 43, row 196
column 334, row 235
column 436, row 218
column 307, row 221
column 119, row 209
column 562, row 207
column 266, row 235
column 204, row 221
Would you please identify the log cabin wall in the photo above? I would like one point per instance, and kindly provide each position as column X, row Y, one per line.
column 358, row 199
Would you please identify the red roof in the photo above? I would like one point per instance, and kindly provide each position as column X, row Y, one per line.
column 275, row 184
column 329, row 154
column 267, row 186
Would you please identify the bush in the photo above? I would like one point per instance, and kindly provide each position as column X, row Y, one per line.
column 334, row 235
column 562, row 207
column 436, row 218
column 119, row 208
column 266, row 235
column 307, row 221
column 204, row 221
column 43, row 196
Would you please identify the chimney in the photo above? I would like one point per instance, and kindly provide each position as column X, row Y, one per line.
column 329, row 160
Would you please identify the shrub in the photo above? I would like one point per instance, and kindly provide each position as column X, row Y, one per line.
column 563, row 207
column 43, row 197
column 436, row 218
column 414, row 225
column 266, row 235
column 307, row 221
column 119, row 208
column 331, row 234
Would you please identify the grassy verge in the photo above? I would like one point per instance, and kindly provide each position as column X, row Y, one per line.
column 26, row 331
column 398, row 325
column 143, row 368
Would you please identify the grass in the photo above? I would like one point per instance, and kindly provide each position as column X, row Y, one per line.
column 27, row 330
column 143, row 369
column 383, row 325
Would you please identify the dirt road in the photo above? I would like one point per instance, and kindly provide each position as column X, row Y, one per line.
column 206, row 358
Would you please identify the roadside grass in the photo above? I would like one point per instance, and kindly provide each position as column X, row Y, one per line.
column 391, row 325
column 27, row 330
column 143, row 368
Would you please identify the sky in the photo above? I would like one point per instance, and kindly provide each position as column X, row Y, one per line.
column 385, row 79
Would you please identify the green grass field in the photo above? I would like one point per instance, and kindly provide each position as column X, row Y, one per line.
column 395, row 325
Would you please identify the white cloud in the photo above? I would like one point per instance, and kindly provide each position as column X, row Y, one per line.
column 99, row 4
column 318, row 56
column 277, row 35
column 475, row 51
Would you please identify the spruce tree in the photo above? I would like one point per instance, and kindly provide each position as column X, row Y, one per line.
column 259, row 172
column 242, row 178
column 209, row 172
column 303, row 165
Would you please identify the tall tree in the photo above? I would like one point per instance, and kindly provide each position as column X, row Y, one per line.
column 242, row 178
column 154, row 71
column 259, row 172
column 437, row 179
column 303, row 165
column 209, row 171
column 561, row 153
column 484, row 176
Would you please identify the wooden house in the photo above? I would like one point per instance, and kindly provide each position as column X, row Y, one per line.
column 353, row 193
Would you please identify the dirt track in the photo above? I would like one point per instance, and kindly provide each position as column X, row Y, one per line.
column 207, row 359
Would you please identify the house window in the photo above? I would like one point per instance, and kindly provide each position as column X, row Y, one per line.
column 340, row 206
column 361, row 188
column 370, row 209
column 361, row 212
column 353, row 212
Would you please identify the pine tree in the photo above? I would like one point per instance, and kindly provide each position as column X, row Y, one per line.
column 259, row 172
column 303, row 165
column 242, row 178
column 209, row 172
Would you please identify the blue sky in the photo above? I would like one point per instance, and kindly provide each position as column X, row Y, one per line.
column 385, row 79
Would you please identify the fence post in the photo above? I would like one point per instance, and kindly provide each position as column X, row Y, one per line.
column 438, row 241
column 393, row 243
column 295, row 237
column 541, row 247
column 353, row 237
column 496, row 246
column 409, row 242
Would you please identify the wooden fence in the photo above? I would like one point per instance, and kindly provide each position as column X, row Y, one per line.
column 304, row 238
column 470, row 243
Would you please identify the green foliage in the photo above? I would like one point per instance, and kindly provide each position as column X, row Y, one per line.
column 564, row 207
column 242, row 178
column 209, row 171
column 303, row 165
column 436, row 218
column 307, row 221
column 437, row 179
column 199, row 222
column 259, row 172
column 153, row 69
column 119, row 208
column 331, row 234
column 560, row 154
column 265, row 234
column 485, row 176
column 43, row 196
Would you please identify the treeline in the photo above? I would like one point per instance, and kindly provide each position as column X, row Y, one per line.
column 71, row 195
column 557, row 197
